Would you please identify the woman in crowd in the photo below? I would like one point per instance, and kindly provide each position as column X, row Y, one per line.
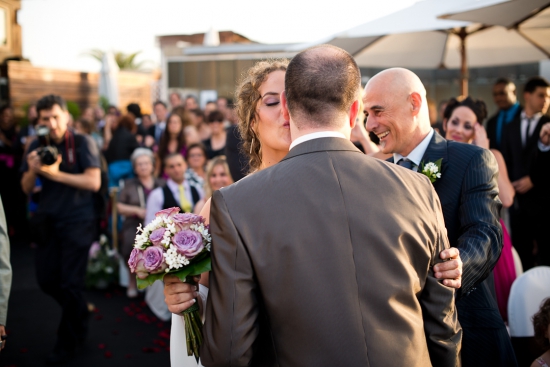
column 171, row 141
column 462, row 122
column 541, row 324
column 131, row 204
column 196, row 163
column 266, row 140
column 120, row 142
column 217, row 176
column 215, row 145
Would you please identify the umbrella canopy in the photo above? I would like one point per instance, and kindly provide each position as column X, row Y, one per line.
column 415, row 38
column 528, row 18
column 108, row 79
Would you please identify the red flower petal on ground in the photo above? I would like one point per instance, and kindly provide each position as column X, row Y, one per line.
column 96, row 310
column 143, row 304
column 160, row 343
column 165, row 334
column 108, row 354
column 101, row 346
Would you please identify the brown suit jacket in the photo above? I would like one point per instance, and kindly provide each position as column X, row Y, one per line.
column 325, row 260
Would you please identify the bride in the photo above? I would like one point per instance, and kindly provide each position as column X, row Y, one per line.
column 266, row 139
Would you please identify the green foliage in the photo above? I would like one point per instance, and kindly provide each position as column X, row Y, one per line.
column 104, row 103
column 103, row 266
column 124, row 61
column 198, row 266
column 74, row 109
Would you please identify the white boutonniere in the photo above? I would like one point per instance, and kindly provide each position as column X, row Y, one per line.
column 432, row 170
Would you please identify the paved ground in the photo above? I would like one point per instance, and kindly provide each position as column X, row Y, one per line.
column 123, row 332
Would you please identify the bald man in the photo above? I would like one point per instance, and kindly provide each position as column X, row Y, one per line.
column 396, row 105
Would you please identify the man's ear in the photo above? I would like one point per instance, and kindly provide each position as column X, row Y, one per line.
column 353, row 112
column 284, row 106
column 416, row 103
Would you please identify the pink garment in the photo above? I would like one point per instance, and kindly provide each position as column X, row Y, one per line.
column 504, row 273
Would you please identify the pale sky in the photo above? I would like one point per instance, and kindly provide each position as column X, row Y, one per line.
column 57, row 32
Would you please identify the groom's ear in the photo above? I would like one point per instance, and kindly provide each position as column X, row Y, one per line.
column 284, row 106
column 416, row 103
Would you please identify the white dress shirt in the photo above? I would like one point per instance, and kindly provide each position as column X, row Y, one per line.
column 528, row 125
column 417, row 153
column 317, row 135
column 156, row 198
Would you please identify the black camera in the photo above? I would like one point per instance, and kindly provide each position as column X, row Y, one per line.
column 47, row 152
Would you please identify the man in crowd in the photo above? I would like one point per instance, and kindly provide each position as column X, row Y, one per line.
column 504, row 94
column 177, row 192
column 64, row 223
column 5, row 275
column 175, row 100
column 191, row 102
column 395, row 102
column 520, row 143
column 161, row 113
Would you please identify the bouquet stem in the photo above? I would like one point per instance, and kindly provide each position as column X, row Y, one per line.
column 193, row 328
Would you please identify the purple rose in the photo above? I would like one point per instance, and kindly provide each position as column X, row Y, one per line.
column 154, row 259
column 156, row 236
column 167, row 213
column 136, row 263
column 188, row 243
column 185, row 220
column 94, row 250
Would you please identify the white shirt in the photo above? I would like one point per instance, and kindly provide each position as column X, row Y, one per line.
column 316, row 135
column 417, row 153
column 528, row 125
column 156, row 198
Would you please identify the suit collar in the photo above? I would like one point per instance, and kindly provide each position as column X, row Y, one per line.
column 320, row 145
column 437, row 149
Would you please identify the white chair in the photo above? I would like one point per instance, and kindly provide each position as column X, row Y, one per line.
column 527, row 293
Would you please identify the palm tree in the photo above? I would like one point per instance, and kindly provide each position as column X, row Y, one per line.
column 123, row 60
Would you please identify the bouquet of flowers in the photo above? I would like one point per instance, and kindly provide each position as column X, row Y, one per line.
column 177, row 244
column 102, row 267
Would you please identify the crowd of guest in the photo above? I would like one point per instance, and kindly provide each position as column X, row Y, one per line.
column 179, row 156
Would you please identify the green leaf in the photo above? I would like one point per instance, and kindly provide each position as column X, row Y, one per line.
column 200, row 264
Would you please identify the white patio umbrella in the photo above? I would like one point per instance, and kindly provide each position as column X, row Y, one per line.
column 415, row 38
column 108, row 79
column 528, row 18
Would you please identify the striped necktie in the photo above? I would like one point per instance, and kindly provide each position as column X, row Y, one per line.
column 405, row 162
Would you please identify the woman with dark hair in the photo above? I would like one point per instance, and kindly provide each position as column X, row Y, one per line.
column 120, row 143
column 215, row 145
column 462, row 122
column 196, row 162
column 172, row 140
column 541, row 324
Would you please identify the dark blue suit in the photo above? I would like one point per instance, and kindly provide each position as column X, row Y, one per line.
column 468, row 193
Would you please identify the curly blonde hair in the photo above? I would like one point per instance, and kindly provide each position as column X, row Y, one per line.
column 214, row 162
column 247, row 96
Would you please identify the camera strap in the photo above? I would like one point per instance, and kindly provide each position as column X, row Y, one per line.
column 70, row 147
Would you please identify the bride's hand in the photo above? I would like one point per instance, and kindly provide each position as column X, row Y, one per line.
column 480, row 137
column 179, row 296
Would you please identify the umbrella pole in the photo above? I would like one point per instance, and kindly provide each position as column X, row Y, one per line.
column 463, row 63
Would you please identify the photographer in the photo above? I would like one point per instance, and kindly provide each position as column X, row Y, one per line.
column 64, row 225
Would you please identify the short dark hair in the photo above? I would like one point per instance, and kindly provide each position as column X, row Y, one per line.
column 172, row 155
column 504, row 81
column 160, row 102
column 477, row 106
column 134, row 109
column 317, row 83
column 196, row 145
column 541, row 320
column 47, row 103
column 216, row 116
column 197, row 112
column 534, row 83
column 4, row 107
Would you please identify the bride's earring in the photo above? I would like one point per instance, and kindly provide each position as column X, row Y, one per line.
column 251, row 145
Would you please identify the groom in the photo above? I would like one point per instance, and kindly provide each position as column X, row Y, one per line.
column 325, row 258
column 395, row 102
